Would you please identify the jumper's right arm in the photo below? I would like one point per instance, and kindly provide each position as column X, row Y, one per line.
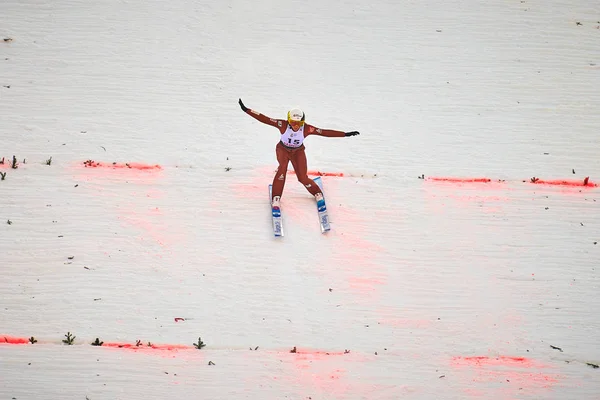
column 260, row 117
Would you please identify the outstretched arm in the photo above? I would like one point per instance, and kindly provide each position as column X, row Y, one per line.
column 260, row 117
column 313, row 130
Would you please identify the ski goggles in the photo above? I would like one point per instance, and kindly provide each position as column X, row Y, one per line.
column 292, row 122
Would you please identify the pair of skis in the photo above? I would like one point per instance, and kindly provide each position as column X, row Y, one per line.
column 321, row 211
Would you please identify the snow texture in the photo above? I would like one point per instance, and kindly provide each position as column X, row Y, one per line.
column 423, row 289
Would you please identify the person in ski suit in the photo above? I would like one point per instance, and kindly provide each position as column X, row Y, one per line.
column 291, row 148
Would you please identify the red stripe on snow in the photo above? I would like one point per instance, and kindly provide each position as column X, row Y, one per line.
column 145, row 346
column 13, row 340
column 458, row 180
column 318, row 173
column 115, row 165
column 564, row 182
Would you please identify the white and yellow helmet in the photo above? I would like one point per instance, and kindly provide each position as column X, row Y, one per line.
column 296, row 115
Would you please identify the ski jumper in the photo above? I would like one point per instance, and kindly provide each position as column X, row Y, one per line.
column 291, row 149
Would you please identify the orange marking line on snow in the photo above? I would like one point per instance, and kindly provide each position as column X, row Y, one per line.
column 533, row 377
column 458, row 180
column 318, row 173
column 7, row 163
column 564, row 182
column 318, row 372
column 13, row 340
column 500, row 360
column 115, row 165
column 312, row 353
column 5, row 339
column 146, row 346
column 552, row 182
column 321, row 173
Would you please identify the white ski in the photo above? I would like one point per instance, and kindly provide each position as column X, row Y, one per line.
column 322, row 209
column 276, row 215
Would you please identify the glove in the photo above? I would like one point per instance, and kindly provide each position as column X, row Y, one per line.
column 244, row 108
column 353, row 133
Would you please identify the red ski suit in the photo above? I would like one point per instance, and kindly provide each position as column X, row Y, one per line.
column 296, row 155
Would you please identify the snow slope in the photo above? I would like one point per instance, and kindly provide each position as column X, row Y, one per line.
column 425, row 288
